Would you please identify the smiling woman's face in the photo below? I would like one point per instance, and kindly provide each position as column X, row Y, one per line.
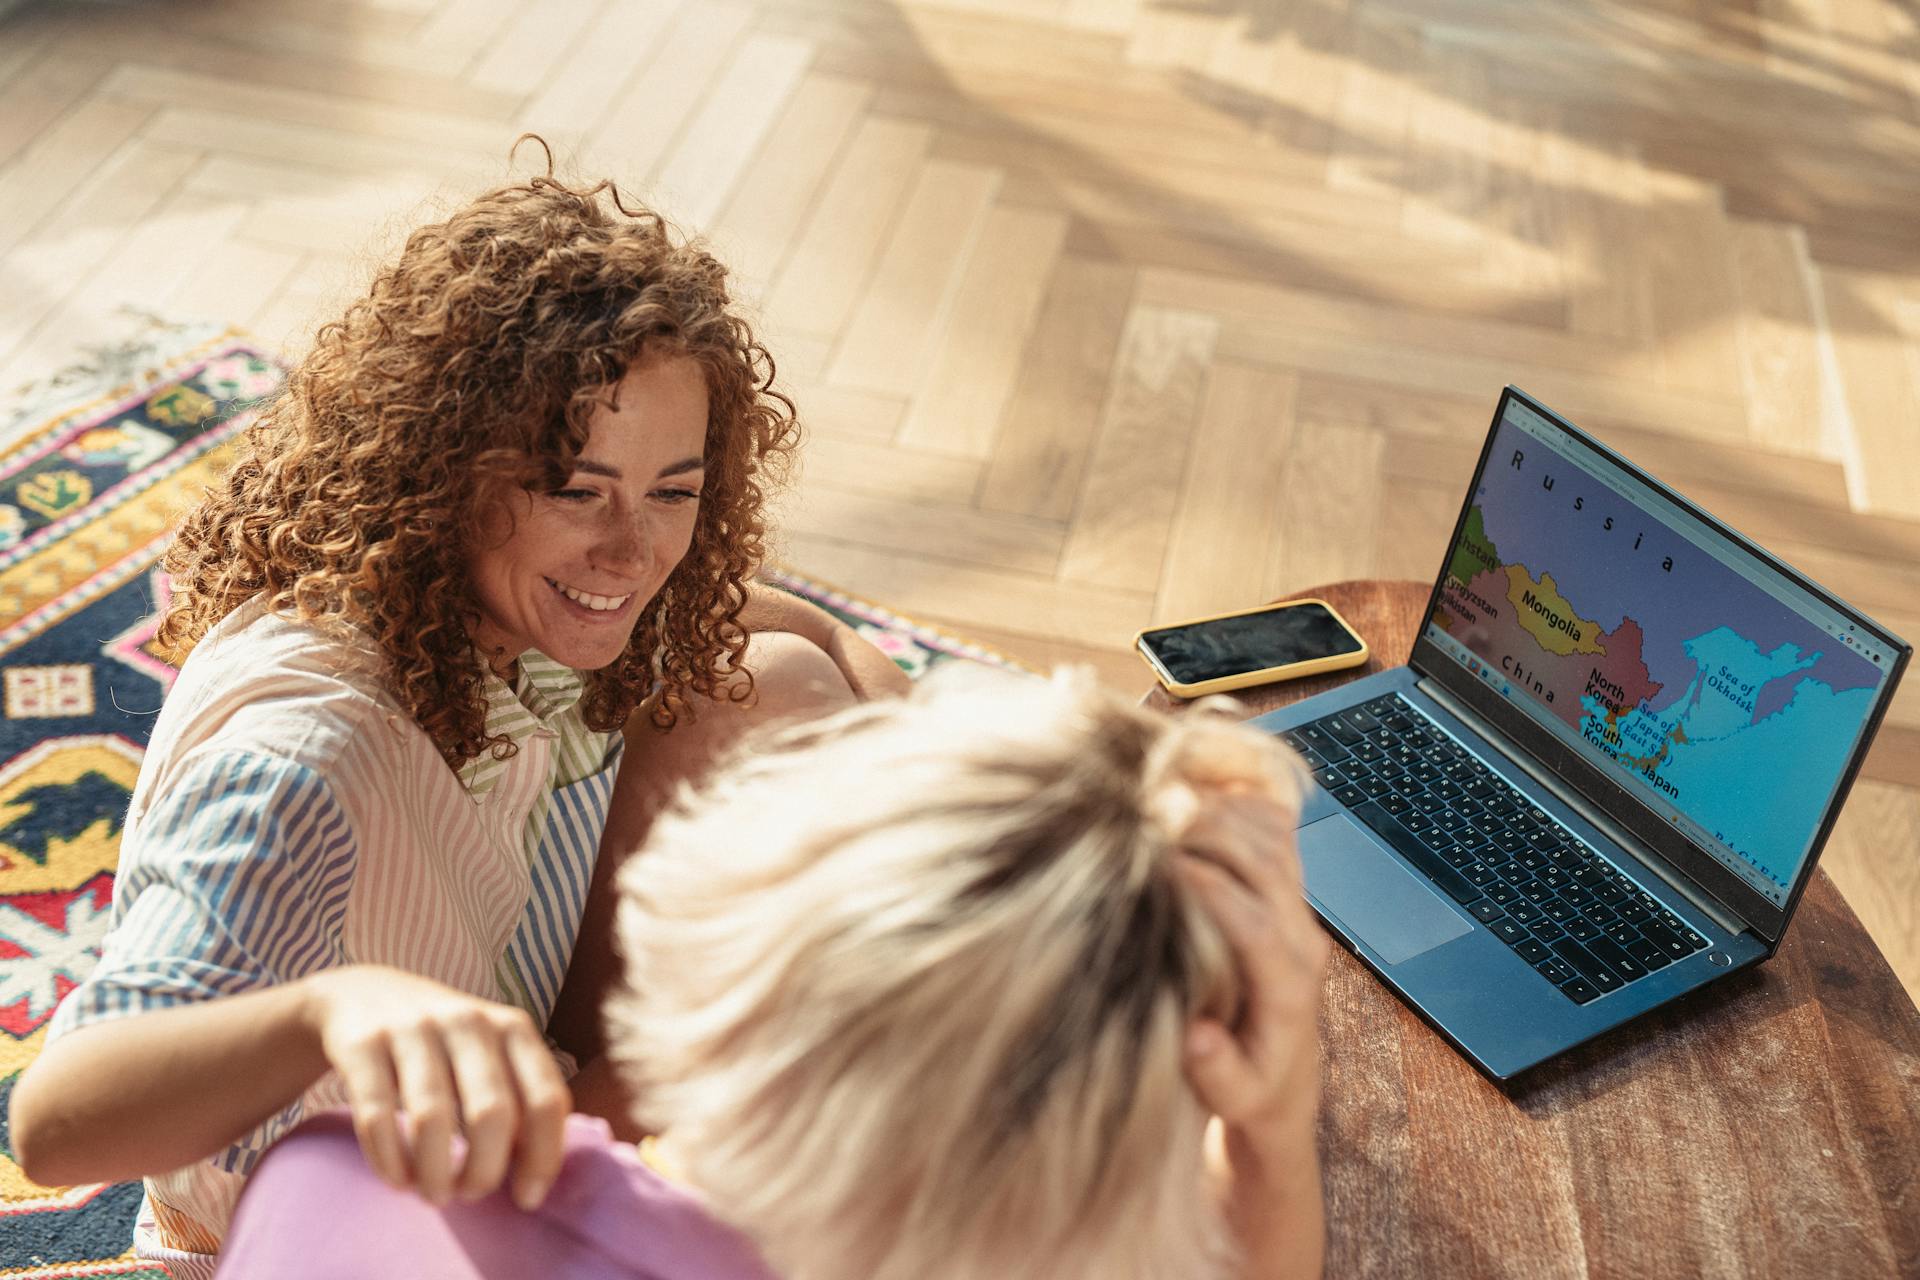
column 568, row 572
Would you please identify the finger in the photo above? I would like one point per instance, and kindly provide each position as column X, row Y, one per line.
column 544, row 1104
column 1240, row 912
column 489, row 1103
column 427, row 1096
column 1247, row 835
column 366, row 1069
column 1274, row 955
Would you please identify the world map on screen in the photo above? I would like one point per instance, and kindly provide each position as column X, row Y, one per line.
column 1707, row 691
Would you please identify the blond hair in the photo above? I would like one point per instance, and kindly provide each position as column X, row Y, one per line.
column 907, row 987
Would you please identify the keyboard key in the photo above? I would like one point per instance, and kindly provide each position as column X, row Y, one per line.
column 1615, row 957
column 1480, row 873
column 1526, row 913
column 1358, row 718
column 1317, row 737
column 1487, row 911
column 1649, row 954
column 1342, row 732
column 1508, row 930
column 1586, row 964
column 1580, row 929
column 1386, row 704
column 1675, row 947
column 1578, row 991
column 1502, row 892
column 1395, row 804
column 1349, row 795
column 1531, row 950
column 1554, row 970
column 1328, row 777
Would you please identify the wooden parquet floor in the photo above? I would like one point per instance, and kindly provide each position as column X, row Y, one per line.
column 1104, row 312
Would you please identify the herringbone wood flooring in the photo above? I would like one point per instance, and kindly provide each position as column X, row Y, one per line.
column 1105, row 311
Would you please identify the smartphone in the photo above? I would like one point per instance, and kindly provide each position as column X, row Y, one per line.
column 1252, row 646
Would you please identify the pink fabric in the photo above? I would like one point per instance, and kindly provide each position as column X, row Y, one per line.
column 314, row 1210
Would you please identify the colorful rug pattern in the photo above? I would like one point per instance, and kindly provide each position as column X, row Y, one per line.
column 88, row 493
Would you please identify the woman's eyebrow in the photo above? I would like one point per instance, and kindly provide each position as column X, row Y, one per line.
column 589, row 467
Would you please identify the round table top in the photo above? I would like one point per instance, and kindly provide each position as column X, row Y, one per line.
column 1767, row 1125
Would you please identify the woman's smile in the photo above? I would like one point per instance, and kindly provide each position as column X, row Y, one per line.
column 602, row 608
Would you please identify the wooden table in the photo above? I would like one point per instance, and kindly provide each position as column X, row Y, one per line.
column 1768, row 1125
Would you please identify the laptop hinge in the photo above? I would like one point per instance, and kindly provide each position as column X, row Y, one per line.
column 1674, row 878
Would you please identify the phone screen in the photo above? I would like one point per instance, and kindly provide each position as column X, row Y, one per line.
column 1221, row 647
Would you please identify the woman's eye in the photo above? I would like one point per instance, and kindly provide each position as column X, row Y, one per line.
column 677, row 496
column 571, row 495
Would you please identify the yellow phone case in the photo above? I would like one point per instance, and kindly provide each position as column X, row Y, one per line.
column 1267, row 675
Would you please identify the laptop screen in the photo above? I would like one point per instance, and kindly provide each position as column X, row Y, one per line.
column 1717, row 689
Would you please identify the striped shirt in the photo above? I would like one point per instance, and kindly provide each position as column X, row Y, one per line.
column 289, row 817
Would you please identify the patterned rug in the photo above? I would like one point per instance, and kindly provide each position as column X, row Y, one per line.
column 95, row 466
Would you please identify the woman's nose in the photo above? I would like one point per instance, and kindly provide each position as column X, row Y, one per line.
column 625, row 548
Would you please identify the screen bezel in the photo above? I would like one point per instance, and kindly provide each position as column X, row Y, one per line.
column 1590, row 779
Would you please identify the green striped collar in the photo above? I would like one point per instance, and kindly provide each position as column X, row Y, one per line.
column 543, row 692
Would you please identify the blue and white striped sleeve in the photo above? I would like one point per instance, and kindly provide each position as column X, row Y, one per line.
column 235, row 879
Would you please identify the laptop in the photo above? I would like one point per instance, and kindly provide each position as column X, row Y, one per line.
column 1605, row 774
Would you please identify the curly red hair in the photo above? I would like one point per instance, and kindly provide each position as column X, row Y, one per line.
column 469, row 369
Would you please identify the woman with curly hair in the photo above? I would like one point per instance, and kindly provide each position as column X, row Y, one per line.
column 476, row 594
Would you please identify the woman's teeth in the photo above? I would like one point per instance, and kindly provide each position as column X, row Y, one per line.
column 599, row 604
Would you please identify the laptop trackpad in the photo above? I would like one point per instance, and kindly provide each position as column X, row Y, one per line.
column 1370, row 892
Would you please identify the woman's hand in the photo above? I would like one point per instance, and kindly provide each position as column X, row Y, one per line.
column 453, row 1063
column 1262, row 1075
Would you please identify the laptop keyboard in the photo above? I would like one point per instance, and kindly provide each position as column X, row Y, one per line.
column 1567, row 911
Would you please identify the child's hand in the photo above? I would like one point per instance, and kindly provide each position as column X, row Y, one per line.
column 1238, row 854
column 453, row 1063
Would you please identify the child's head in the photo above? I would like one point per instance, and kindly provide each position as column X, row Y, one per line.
column 909, row 985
